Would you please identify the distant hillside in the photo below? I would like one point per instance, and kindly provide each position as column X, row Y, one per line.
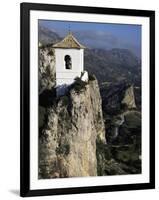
column 108, row 65
column 47, row 36
column 113, row 65
column 105, row 110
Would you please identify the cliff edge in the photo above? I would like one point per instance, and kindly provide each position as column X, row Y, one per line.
column 67, row 139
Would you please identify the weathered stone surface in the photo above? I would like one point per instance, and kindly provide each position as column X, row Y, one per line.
column 46, row 68
column 117, row 97
column 67, row 145
column 129, row 98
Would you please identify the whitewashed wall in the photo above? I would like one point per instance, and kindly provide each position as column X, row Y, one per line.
column 67, row 76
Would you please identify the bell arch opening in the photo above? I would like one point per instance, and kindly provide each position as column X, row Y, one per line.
column 68, row 62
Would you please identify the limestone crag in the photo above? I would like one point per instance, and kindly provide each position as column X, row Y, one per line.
column 129, row 98
column 117, row 97
column 67, row 144
column 46, row 68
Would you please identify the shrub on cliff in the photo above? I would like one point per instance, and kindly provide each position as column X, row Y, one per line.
column 63, row 149
column 91, row 77
column 79, row 85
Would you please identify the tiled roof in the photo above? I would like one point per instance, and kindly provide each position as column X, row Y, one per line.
column 69, row 42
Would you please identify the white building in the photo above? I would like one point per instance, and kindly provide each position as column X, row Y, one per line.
column 69, row 61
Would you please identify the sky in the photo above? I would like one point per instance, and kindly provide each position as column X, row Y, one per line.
column 100, row 35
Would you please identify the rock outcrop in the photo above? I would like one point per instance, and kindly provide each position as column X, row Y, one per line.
column 72, row 127
column 129, row 98
column 118, row 97
column 67, row 140
column 122, row 119
column 46, row 68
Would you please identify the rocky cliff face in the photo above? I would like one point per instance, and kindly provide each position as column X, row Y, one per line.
column 46, row 68
column 129, row 98
column 72, row 128
column 118, row 97
column 73, row 123
column 122, row 154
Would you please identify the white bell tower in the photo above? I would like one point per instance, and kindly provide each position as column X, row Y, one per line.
column 69, row 61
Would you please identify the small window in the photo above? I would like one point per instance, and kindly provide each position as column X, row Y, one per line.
column 68, row 62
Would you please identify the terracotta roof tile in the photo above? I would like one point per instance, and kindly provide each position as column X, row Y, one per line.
column 69, row 42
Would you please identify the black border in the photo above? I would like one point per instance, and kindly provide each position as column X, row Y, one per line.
column 25, row 9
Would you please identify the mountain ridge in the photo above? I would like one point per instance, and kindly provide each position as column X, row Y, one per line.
column 108, row 65
column 117, row 72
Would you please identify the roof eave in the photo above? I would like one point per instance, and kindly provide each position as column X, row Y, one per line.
column 55, row 47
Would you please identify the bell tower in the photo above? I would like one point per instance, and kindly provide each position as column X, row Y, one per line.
column 69, row 61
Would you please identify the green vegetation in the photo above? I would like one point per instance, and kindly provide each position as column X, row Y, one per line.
column 91, row 77
column 133, row 119
column 48, row 71
column 121, row 154
column 42, row 119
column 63, row 149
column 50, row 53
column 79, row 85
column 103, row 149
column 65, row 100
column 42, row 113
column 63, row 114
column 103, row 155
column 117, row 159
